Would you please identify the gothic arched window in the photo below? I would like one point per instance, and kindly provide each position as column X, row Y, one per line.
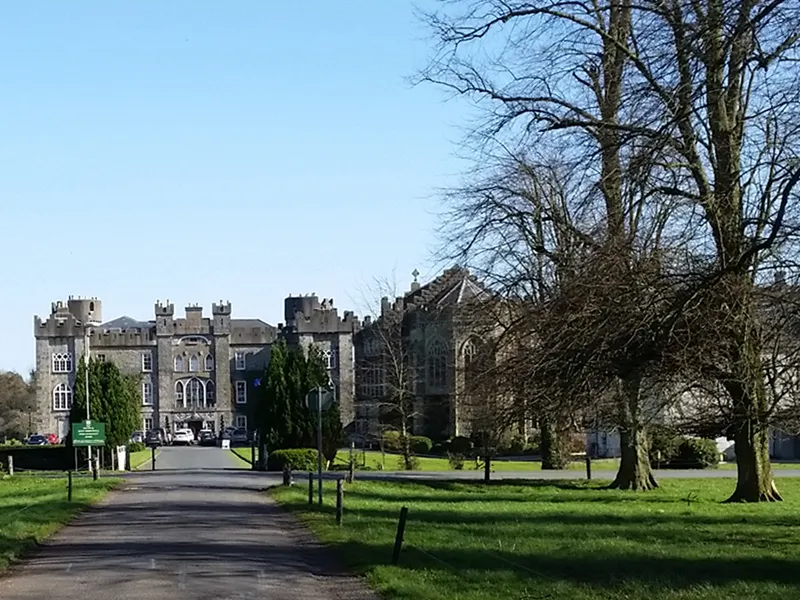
column 179, row 363
column 437, row 363
column 62, row 397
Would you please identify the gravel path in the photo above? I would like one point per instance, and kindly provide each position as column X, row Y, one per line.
column 186, row 535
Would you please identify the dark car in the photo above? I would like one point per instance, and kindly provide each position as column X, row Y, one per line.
column 207, row 438
column 153, row 438
column 239, row 437
column 37, row 440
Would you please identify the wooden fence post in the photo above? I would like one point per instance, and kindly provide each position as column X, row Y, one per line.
column 69, row 486
column 588, row 467
column 10, row 462
column 398, row 540
column 310, row 488
column 339, row 500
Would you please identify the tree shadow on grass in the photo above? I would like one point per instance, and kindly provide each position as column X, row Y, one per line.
column 606, row 571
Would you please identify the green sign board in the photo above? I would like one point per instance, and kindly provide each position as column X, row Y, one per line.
column 89, row 433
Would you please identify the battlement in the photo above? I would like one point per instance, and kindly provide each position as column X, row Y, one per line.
column 164, row 310
column 223, row 308
column 124, row 338
column 306, row 314
column 69, row 318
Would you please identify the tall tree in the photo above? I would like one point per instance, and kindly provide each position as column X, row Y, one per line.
column 674, row 99
column 17, row 404
column 115, row 400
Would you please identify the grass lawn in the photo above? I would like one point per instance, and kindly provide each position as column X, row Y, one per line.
column 33, row 508
column 572, row 540
column 374, row 460
column 140, row 458
column 242, row 457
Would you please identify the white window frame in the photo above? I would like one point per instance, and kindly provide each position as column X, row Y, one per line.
column 198, row 400
column 194, row 364
column 147, row 362
column 241, row 421
column 241, row 392
column 180, row 395
column 61, row 362
column 239, row 361
column 144, row 424
column 147, row 393
column 62, row 397
column 178, row 361
column 209, row 363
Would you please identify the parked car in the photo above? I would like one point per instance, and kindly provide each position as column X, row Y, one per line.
column 207, row 438
column 183, row 437
column 137, row 437
column 153, row 438
column 52, row 438
column 36, row 440
column 239, row 437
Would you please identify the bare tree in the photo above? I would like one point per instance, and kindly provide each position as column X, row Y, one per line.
column 386, row 372
column 676, row 99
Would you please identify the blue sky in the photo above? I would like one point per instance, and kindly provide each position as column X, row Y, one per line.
column 204, row 150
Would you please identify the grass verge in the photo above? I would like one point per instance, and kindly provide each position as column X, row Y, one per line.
column 141, row 458
column 549, row 539
column 33, row 508
column 242, row 457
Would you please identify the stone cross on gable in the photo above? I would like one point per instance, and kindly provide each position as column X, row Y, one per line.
column 415, row 273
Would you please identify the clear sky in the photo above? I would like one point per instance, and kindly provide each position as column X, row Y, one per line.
column 205, row 150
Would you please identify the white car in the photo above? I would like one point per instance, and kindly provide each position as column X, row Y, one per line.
column 183, row 436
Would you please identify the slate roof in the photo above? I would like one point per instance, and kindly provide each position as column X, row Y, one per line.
column 453, row 287
column 126, row 323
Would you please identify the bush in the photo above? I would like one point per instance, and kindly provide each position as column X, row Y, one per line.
column 439, row 449
column 297, row 459
column 695, row 453
column 391, row 441
column 460, row 445
column 420, row 444
column 664, row 444
column 456, row 461
column 136, row 447
column 413, row 463
column 513, row 447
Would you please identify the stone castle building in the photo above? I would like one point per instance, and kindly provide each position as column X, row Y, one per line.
column 195, row 371
column 421, row 344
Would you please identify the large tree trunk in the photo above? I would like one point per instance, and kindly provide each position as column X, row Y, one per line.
column 751, row 435
column 554, row 455
column 754, row 481
column 634, row 467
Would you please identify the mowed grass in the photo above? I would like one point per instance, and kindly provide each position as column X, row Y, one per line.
column 242, row 457
column 141, row 458
column 572, row 540
column 33, row 508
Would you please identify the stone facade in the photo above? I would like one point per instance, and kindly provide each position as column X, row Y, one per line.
column 436, row 331
column 196, row 371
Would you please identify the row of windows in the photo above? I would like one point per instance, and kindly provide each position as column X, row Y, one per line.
column 194, row 363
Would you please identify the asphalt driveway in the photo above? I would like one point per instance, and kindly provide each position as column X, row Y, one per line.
column 186, row 534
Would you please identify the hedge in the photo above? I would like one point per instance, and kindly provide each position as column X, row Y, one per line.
column 297, row 459
column 137, row 447
column 695, row 453
column 420, row 444
column 39, row 458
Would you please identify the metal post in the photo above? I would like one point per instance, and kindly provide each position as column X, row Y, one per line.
column 253, row 464
column 339, row 500
column 95, row 467
column 398, row 540
column 69, row 486
column 310, row 488
column 588, row 467
column 319, row 445
column 86, row 382
column 10, row 465
column 152, row 458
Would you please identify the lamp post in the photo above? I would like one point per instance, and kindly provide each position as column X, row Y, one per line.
column 86, row 383
column 319, row 445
